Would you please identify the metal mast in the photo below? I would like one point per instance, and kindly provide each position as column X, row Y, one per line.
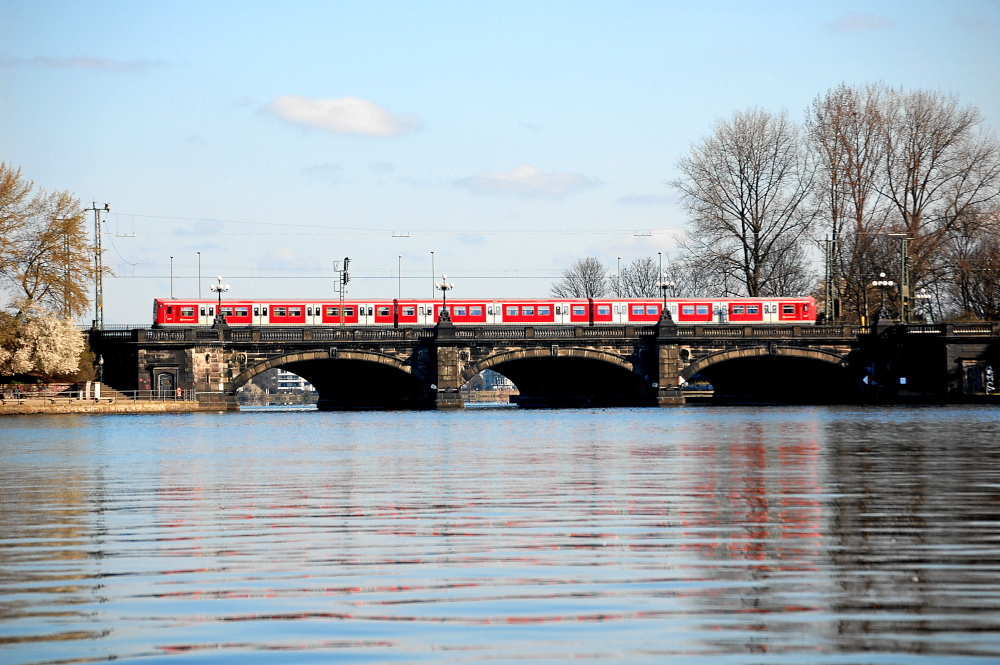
column 98, row 266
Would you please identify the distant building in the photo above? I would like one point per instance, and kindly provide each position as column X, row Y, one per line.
column 495, row 381
column 288, row 382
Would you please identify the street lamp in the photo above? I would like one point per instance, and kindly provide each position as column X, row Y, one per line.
column 882, row 284
column 665, row 284
column 444, row 286
column 219, row 288
column 922, row 295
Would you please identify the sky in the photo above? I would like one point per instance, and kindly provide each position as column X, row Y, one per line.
column 496, row 142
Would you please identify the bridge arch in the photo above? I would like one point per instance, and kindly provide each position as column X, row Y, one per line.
column 568, row 376
column 770, row 351
column 351, row 379
column 777, row 373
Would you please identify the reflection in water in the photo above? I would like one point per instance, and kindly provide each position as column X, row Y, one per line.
column 777, row 535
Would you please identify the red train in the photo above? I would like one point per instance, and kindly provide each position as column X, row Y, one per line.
column 483, row 311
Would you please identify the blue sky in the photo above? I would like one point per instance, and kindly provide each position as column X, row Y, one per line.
column 508, row 138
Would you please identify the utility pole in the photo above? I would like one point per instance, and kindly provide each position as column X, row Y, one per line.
column 904, row 276
column 831, row 295
column 98, row 266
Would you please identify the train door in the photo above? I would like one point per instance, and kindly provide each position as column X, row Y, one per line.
column 425, row 313
column 721, row 312
column 366, row 314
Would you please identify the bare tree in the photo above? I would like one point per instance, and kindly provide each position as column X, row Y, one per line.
column 639, row 279
column 973, row 259
column 941, row 164
column 586, row 278
column 915, row 165
column 846, row 131
column 744, row 187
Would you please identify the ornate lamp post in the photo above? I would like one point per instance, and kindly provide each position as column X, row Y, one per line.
column 664, row 285
column 922, row 296
column 882, row 284
column 444, row 286
column 219, row 288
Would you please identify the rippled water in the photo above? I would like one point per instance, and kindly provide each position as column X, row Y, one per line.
column 709, row 535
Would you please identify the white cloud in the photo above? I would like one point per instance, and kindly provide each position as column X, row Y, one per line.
column 348, row 115
column 647, row 199
column 203, row 227
column 859, row 22
column 285, row 258
column 83, row 62
column 528, row 181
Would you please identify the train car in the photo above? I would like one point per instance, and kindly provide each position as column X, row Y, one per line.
column 519, row 311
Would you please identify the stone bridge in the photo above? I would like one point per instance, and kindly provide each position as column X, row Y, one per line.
column 612, row 365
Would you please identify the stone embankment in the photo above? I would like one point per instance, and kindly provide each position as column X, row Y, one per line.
column 91, row 397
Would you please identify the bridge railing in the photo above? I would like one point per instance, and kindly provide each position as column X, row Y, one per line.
column 374, row 333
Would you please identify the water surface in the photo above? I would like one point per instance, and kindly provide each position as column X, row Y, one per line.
column 709, row 535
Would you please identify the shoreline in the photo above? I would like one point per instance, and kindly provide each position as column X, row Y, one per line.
column 60, row 406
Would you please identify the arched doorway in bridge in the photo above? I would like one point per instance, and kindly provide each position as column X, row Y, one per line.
column 361, row 380
column 569, row 378
column 776, row 375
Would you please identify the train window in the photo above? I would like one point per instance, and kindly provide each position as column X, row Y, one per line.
column 225, row 311
column 805, row 308
column 422, row 311
column 348, row 311
column 788, row 309
column 202, row 311
column 687, row 310
column 409, row 311
column 256, row 311
column 651, row 309
column 637, row 310
column 187, row 311
column 527, row 311
column 242, row 311
column 489, row 310
column 383, row 311
column 279, row 311
column 544, row 310
column 702, row 310
column 369, row 311
column 170, row 309
column 459, row 311
column 618, row 310
column 579, row 310
column 309, row 311
column 333, row 311
column 738, row 309
column 294, row 311
column 211, row 311
column 475, row 310
column 262, row 311
column 512, row 311
column 558, row 310
column 753, row 309
column 604, row 310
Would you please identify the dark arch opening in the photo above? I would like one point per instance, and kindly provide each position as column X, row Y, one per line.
column 558, row 381
column 781, row 380
column 361, row 384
